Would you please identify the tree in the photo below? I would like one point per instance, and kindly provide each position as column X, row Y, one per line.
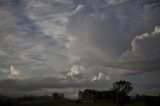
column 80, row 95
column 121, row 90
column 58, row 96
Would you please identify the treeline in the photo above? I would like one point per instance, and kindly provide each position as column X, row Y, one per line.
column 55, row 96
column 90, row 95
column 9, row 101
column 119, row 94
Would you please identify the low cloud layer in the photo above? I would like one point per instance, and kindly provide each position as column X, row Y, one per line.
column 49, row 84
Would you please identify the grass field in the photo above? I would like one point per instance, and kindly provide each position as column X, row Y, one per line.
column 37, row 103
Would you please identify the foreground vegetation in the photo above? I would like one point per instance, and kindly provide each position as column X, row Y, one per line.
column 50, row 103
column 118, row 95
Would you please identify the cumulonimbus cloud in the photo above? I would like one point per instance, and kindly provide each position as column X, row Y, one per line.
column 103, row 37
column 145, row 52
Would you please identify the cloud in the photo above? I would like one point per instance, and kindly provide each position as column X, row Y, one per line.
column 83, row 39
column 99, row 34
column 28, row 44
column 144, row 46
column 101, row 76
column 113, row 2
column 69, row 32
column 144, row 54
column 78, row 9
column 42, row 84
column 14, row 73
column 76, row 71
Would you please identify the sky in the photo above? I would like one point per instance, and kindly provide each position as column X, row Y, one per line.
column 64, row 46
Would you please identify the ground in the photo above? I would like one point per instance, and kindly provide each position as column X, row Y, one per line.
column 37, row 103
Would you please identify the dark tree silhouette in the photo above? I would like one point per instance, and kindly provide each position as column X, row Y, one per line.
column 120, row 91
column 58, row 96
column 90, row 95
column 80, row 95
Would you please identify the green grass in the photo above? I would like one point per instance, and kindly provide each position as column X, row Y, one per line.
column 50, row 103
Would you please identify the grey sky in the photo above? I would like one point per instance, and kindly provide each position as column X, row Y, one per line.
column 76, row 44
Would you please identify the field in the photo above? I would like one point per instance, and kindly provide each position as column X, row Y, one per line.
column 37, row 103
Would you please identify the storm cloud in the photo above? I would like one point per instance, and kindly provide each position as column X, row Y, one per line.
column 67, row 44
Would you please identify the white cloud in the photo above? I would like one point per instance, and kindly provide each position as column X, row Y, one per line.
column 78, row 9
column 76, row 71
column 101, row 76
column 15, row 73
column 144, row 47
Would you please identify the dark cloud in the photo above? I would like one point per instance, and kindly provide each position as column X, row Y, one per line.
column 42, row 84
